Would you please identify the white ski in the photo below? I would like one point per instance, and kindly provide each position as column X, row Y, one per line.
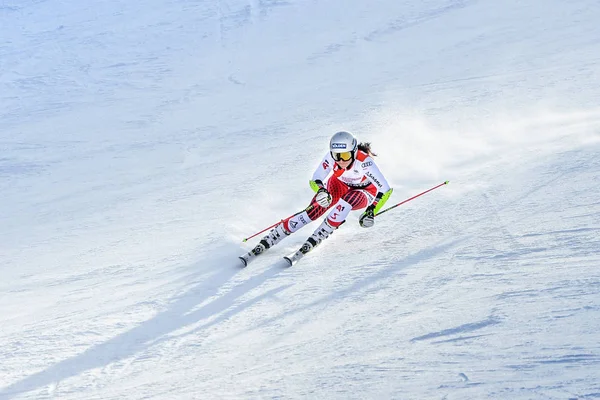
column 306, row 247
column 294, row 257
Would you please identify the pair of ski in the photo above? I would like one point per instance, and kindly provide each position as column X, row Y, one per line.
column 291, row 259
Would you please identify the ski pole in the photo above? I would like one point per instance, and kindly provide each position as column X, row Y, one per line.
column 414, row 197
column 276, row 223
column 267, row 228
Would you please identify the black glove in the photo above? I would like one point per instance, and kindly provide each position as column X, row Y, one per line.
column 367, row 219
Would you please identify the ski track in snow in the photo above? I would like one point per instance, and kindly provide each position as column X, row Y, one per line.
column 125, row 132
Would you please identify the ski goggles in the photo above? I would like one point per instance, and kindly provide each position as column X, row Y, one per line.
column 345, row 156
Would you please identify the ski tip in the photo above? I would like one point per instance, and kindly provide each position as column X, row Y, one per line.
column 289, row 261
column 244, row 262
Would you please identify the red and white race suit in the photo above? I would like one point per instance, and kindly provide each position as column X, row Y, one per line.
column 352, row 188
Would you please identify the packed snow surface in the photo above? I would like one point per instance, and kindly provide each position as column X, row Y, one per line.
column 140, row 142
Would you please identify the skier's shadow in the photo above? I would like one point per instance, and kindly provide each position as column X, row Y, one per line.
column 155, row 330
column 384, row 273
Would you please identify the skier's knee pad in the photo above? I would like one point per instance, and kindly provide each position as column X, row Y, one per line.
column 338, row 213
column 296, row 222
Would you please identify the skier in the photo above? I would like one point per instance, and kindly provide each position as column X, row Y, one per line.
column 355, row 182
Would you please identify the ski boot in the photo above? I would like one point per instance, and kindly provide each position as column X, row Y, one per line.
column 275, row 236
column 320, row 234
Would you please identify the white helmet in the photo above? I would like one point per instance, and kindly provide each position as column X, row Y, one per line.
column 341, row 144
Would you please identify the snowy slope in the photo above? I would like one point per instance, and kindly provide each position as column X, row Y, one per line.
column 139, row 145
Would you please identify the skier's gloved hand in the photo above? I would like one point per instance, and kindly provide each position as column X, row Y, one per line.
column 367, row 219
column 323, row 198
